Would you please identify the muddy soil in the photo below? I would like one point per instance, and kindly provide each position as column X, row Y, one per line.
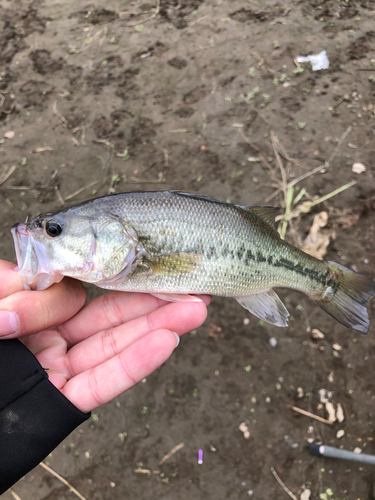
column 118, row 97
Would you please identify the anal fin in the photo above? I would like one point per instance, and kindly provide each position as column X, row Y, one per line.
column 177, row 297
column 266, row 306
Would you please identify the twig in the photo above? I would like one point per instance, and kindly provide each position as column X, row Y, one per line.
column 321, row 168
column 88, row 42
column 40, row 150
column 172, row 452
column 142, row 471
column 287, row 10
column 60, row 198
column 26, row 188
column 5, row 176
column 157, row 181
column 262, row 157
column 14, row 495
column 276, row 476
column 83, row 135
column 51, row 471
column 342, row 99
column 80, row 190
column 103, row 141
column 311, row 415
column 62, row 118
column 155, row 13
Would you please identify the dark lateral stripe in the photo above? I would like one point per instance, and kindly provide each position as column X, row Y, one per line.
column 282, row 262
column 300, row 269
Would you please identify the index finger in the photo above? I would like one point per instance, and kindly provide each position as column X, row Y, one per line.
column 10, row 280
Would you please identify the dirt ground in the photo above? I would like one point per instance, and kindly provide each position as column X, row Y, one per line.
column 185, row 94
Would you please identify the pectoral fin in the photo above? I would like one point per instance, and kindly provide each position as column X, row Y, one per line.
column 266, row 306
column 175, row 297
column 174, row 263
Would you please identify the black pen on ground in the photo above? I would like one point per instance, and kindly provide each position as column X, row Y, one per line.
column 331, row 452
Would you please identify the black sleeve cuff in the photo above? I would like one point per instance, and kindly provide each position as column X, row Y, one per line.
column 34, row 416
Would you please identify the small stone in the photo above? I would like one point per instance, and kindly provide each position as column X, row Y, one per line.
column 330, row 377
column 305, row 495
column 10, row 134
column 273, row 342
column 330, row 409
column 317, row 334
column 340, row 434
column 245, row 430
column 337, row 347
column 246, row 321
column 300, row 393
column 357, row 450
column 340, row 413
column 358, row 168
column 324, row 395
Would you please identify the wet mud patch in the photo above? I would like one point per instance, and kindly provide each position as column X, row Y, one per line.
column 178, row 62
column 105, row 73
column 93, row 15
column 195, row 95
column 248, row 15
column 176, row 12
column 18, row 24
column 43, row 62
column 361, row 46
column 35, row 93
column 126, row 86
column 185, row 112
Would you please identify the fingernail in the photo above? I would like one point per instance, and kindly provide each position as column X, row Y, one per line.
column 177, row 338
column 8, row 323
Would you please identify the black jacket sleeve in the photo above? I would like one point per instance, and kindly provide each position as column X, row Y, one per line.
column 34, row 416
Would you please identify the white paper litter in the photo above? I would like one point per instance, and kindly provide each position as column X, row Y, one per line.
column 318, row 61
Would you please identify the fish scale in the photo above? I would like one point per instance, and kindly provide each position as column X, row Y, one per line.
column 174, row 244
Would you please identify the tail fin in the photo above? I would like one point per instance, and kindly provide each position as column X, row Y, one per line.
column 346, row 300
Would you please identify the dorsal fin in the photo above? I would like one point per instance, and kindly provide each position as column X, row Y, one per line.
column 267, row 214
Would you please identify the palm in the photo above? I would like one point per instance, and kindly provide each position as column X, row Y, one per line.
column 95, row 352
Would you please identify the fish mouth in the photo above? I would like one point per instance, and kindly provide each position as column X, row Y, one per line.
column 33, row 265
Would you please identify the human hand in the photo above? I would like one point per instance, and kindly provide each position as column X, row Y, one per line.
column 94, row 351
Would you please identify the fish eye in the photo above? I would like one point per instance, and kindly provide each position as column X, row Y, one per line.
column 53, row 228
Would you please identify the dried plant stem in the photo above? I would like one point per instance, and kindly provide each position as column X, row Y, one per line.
column 325, row 166
column 64, row 481
column 282, row 484
column 172, row 452
column 311, row 415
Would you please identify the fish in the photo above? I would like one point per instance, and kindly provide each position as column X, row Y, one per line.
column 176, row 245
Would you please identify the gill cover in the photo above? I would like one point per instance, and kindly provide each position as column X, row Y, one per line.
column 93, row 247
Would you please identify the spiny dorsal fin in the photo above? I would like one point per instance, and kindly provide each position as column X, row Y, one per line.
column 267, row 214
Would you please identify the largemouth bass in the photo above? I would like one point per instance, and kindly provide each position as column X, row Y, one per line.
column 174, row 245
